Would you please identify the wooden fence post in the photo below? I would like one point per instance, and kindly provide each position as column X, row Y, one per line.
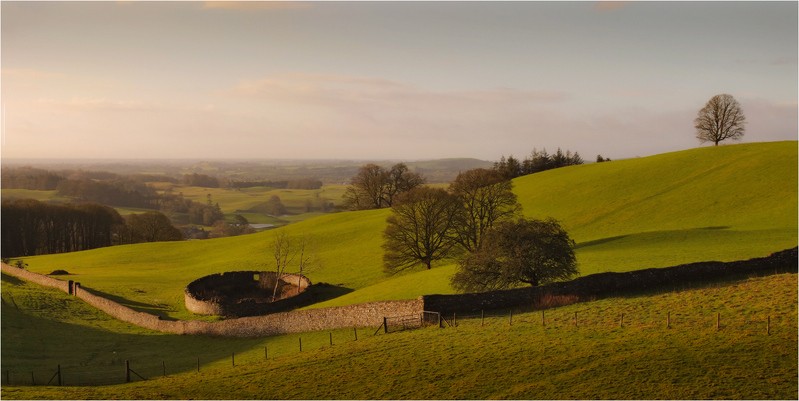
column 127, row 371
column 385, row 324
column 543, row 321
column 233, row 358
column 575, row 319
column 621, row 322
column 355, row 330
column 454, row 322
column 300, row 338
column 33, row 380
column 266, row 353
column 510, row 318
column 768, row 325
column 331, row 338
column 482, row 317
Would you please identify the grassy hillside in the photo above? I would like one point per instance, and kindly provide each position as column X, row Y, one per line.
column 598, row 359
column 725, row 203
column 714, row 203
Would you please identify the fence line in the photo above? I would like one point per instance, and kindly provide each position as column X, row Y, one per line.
column 118, row 372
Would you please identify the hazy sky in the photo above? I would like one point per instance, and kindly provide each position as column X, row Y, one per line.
column 378, row 80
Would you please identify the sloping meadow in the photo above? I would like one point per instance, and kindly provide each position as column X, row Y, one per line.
column 715, row 203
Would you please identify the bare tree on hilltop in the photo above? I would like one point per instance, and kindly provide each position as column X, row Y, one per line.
column 721, row 118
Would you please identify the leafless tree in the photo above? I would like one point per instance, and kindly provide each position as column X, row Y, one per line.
column 419, row 231
column 290, row 251
column 485, row 197
column 283, row 255
column 721, row 118
column 374, row 187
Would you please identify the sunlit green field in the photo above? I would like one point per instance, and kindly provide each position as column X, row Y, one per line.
column 32, row 194
column 726, row 203
column 620, row 348
column 301, row 204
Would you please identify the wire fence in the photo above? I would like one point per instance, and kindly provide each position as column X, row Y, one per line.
column 118, row 370
column 121, row 371
column 755, row 323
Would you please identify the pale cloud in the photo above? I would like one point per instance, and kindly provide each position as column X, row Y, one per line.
column 256, row 5
column 336, row 91
column 609, row 5
column 784, row 61
column 99, row 104
column 28, row 73
column 769, row 121
column 335, row 111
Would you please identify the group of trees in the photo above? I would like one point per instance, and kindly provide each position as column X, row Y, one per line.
column 537, row 161
column 200, row 180
column 118, row 191
column 30, row 227
column 476, row 221
column 29, row 178
column 374, row 187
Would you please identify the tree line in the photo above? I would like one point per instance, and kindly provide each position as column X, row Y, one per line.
column 300, row 183
column 476, row 222
column 30, row 227
column 537, row 161
column 29, row 178
column 45, row 180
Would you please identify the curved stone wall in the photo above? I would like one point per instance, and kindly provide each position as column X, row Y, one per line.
column 245, row 293
column 372, row 314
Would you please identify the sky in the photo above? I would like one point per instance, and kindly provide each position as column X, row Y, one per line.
column 386, row 80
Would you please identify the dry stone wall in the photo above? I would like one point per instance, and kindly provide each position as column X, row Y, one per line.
column 246, row 293
column 371, row 314
column 36, row 278
column 359, row 315
column 602, row 285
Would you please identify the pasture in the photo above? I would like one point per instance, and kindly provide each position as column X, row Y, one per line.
column 726, row 203
column 598, row 358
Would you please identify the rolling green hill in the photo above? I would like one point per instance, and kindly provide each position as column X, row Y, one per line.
column 719, row 203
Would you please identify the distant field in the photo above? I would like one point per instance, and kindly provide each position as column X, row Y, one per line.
column 601, row 358
column 32, row 194
column 231, row 201
column 726, row 203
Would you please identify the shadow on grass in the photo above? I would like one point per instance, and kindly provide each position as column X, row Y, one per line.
column 603, row 241
column 11, row 280
column 600, row 241
column 161, row 311
column 34, row 347
column 316, row 293
column 694, row 285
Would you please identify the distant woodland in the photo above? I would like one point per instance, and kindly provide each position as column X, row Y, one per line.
column 30, row 227
column 90, row 220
